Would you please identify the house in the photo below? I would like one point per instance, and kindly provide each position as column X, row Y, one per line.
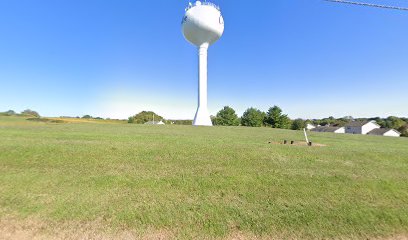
column 357, row 127
column 388, row 132
column 310, row 126
column 155, row 123
column 329, row 129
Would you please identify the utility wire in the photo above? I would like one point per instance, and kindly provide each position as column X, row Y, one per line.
column 368, row 4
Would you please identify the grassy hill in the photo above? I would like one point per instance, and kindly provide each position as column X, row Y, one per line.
column 86, row 180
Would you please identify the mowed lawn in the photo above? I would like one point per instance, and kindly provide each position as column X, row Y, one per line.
column 187, row 182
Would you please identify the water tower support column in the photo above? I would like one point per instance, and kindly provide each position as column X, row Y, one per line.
column 202, row 117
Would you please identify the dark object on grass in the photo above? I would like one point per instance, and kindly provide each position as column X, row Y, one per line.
column 292, row 142
column 310, row 144
column 285, row 142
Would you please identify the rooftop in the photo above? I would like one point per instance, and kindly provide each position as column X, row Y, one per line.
column 357, row 123
column 381, row 131
column 198, row 3
column 326, row 129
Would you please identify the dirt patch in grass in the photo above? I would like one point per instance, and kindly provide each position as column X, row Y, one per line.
column 298, row 143
column 36, row 229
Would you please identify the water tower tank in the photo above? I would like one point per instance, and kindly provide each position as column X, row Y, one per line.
column 202, row 26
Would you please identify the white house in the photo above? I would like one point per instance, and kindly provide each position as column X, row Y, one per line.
column 329, row 129
column 357, row 127
column 155, row 123
column 388, row 132
column 310, row 126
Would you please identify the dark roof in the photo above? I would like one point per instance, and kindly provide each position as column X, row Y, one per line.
column 380, row 131
column 361, row 123
column 356, row 124
column 326, row 129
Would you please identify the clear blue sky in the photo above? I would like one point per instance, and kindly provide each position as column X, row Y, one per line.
column 116, row 58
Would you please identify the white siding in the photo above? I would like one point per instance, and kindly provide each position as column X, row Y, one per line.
column 310, row 126
column 353, row 130
column 341, row 130
column 369, row 127
column 391, row 133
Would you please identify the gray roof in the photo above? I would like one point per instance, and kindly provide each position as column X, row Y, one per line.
column 360, row 123
column 325, row 129
column 357, row 124
column 381, row 131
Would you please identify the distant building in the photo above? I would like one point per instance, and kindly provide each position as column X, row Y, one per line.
column 388, row 132
column 329, row 129
column 370, row 128
column 155, row 123
column 310, row 126
column 358, row 127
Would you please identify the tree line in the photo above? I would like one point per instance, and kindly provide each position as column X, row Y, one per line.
column 252, row 117
column 275, row 118
column 25, row 113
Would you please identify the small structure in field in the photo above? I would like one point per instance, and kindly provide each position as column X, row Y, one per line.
column 155, row 123
column 329, row 129
column 388, row 132
column 357, row 127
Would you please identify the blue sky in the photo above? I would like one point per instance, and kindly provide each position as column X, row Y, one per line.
column 115, row 58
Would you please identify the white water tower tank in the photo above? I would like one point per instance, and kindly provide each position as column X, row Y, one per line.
column 202, row 26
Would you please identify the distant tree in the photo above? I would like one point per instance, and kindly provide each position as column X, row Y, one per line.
column 29, row 112
column 276, row 119
column 298, row 124
column 394, row 122
column 253, row 117
column 87, row 117
column 341, row 122
column 226, row 117
column 144, row 117
column 285, row 122
column 404, row 130
column 10, row 113
column 379, row 121
column 328, row 121
column 273, row 116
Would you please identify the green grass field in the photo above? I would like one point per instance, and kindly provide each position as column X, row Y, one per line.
column 203, row 183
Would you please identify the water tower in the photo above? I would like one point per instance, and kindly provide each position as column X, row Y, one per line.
column 202, row 26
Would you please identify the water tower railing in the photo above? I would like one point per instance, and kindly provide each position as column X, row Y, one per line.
column 205, row 3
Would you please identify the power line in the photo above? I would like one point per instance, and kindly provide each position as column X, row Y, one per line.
column 368, row 4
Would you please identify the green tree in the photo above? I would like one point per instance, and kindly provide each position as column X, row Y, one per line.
column 276, row 119
column 404, row 130
column 253, row 117
column 327, row 121
column 285, row 122
column 10, row 113
column 226, row 117
column 298, row 124
column 87, row 116
column 394, row 122
column 144, row 117
column 30, row 112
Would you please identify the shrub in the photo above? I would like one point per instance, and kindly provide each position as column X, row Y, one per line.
column 226, row 117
